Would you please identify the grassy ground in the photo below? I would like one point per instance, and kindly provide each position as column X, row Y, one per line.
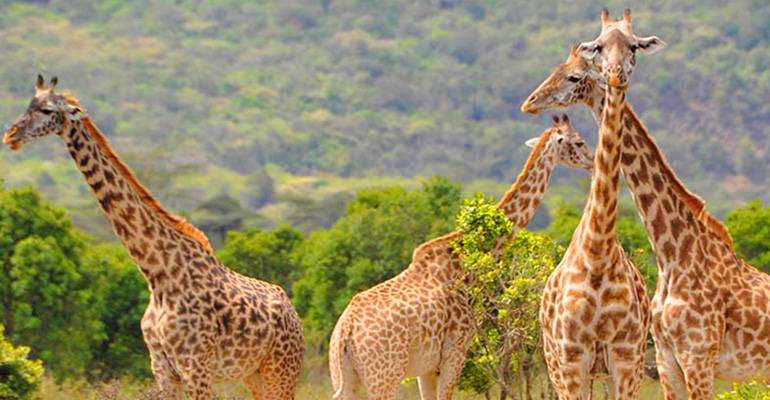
column 315, row 385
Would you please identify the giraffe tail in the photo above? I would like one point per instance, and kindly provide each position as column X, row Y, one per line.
column 346, row 390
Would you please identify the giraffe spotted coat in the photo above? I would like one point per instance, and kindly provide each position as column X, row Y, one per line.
column 204, row 323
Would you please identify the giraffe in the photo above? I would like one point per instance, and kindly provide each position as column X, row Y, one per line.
column 204, row 323
column 413, row 324
column 595, row 310
column 710, row 314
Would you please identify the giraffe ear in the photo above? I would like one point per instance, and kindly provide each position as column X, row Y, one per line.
column 588, row 50
column 650, row 44
column 532, row 142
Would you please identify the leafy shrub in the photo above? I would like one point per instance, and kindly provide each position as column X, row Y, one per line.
column 748, row 391
column 19, row 376
column 504, row 295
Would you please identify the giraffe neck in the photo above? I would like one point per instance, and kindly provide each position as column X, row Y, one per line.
column 157, row 241
column 674, row 218
column 597, row 226
column 435, row 260
column 520, row 202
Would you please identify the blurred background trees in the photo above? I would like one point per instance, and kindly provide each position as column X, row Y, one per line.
column 267, row 102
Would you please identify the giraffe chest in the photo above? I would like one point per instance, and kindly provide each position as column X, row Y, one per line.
column 590, row 306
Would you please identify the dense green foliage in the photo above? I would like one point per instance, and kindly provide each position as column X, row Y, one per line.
column 75, row 302
column 19, row 376
column 241, row 98
column 750, row 228
column 52, row 294
column 267, row 255
column 504, row 296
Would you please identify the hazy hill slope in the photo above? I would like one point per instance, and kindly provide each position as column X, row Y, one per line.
column 226, row 96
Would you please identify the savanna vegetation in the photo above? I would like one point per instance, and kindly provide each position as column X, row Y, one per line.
column 300, row 134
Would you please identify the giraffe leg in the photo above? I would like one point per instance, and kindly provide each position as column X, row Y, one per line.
column 428, row 385
column 698, row 367
column 452, row 362
column 197, row 378
column 277, row 377
column 571, row 375
column 671, row 374
column 169, row 382
column 273, row 384
column 626, row 364
column 382, row 373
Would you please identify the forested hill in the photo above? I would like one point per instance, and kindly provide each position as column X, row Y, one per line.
column 211, row 100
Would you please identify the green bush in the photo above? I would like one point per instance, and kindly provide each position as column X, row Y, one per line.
column 19, row 376
column 750, row 228
column 504, row 295
column 747, row 391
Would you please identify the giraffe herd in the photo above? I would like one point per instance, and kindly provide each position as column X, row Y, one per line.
column 710, row 316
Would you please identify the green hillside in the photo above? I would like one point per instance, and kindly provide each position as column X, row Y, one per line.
column 286, row 108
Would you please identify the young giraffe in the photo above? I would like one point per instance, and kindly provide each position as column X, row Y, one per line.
column 412, row 324
column 595, row 310
column 204, row 323
column 710, row 313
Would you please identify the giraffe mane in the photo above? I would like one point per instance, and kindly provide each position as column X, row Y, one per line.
column 527, row 166
column 179, row 223
column 696, row 204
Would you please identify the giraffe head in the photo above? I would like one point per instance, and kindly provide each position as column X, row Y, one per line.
column 48, row 113
column 616, row 48
column 574, row 81
column 571, row 148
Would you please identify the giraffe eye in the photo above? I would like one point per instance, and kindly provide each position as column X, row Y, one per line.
column 580, row 144
column 46, row 111
column 573, row 78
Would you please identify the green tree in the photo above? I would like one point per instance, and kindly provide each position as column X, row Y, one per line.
column 121, row 350
column 504, row 295
column 374, row 241
column 19, row 376
column 51, row 295
column 750, row 228
column 264, row 255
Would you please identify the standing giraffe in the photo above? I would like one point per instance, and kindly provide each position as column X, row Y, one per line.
column 710, row 313
column 204, row 323
column 595, row 310
column 413, row 324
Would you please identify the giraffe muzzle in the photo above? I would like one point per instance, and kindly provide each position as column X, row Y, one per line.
column 528, row 106
column 12, row 138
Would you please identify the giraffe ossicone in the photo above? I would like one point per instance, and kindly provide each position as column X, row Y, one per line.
column 205, row 323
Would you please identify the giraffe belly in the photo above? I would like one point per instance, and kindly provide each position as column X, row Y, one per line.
column 423, row 358
column 742, row 357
